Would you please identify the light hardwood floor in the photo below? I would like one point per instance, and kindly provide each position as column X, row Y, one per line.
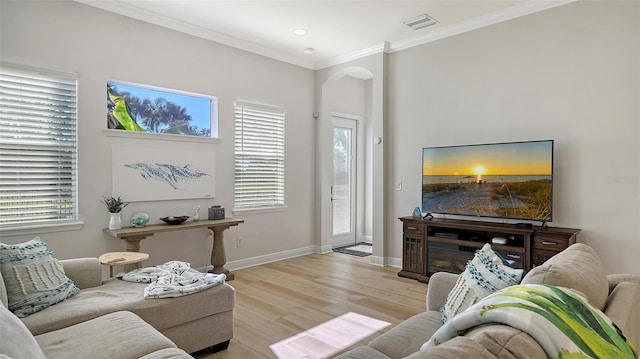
column 278, row 300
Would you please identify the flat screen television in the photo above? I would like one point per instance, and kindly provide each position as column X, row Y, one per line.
column 502, row 180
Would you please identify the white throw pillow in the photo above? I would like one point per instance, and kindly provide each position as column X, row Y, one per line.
column 486, row 273
column 17, row 340
column 33, row 278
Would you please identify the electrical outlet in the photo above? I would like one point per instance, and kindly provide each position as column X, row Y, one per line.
column 239, row 242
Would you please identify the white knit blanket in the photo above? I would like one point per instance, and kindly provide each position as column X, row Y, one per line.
column 172, row 279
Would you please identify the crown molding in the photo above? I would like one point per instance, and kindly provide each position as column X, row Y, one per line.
column 134, row 12
column 447, row 31
column 137, row 13
column 480, row 22
column 338, row 60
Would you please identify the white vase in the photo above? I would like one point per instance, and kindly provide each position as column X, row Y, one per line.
column 115, row 221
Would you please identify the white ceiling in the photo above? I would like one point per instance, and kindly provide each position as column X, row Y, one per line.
column 338, row 31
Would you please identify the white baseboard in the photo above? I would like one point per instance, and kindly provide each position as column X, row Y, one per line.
column 394, row 262
column 274, row 257
column 386, row 261
column 269, row 258
column 324, row 249
column 377, row 261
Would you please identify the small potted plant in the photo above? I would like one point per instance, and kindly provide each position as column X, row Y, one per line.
column 114, row 206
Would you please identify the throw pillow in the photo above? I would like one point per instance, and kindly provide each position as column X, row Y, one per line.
column 486, row 273
column 577, row 267
column 17, row 341
column 33, row 278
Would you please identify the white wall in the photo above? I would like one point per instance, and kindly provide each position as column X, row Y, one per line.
column 71, row 37
column 571, row 74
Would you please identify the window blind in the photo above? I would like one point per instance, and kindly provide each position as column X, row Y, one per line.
column 38, row 158
column 259, row 156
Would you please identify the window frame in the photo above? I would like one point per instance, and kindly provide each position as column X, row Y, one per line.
column 277, row 114
column 69, row 119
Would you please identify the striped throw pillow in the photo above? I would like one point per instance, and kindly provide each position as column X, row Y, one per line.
column 486, row 273
column 33, row 278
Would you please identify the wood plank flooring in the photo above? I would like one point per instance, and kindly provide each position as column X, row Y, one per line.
column 278, row 300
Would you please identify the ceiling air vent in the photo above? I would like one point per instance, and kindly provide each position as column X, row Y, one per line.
column 420, row 21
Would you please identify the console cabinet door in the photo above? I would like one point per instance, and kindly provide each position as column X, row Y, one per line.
column 413, row 254
column 414, row 246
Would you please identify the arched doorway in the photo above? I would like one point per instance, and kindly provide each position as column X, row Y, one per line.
column 346, row 93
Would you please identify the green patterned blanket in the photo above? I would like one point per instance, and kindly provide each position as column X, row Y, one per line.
column 561, row 321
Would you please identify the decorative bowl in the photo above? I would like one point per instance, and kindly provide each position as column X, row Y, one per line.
column 174, row 219
column 139, row 219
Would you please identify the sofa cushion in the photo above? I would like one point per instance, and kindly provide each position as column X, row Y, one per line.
column 16, row 340
column 484, row 274
column 33, row 278
column 505, row 342
column 115, row 295
column 456, row 348
column 362, row 353
column 115, row 335
column 623, row 309
column 408, row 336
column 577, row 267
column 169, row 353
column 490, row 341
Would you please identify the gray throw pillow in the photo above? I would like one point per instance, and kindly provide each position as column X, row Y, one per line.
column 33, row 278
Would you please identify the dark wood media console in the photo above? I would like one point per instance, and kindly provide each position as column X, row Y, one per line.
column 445, row 245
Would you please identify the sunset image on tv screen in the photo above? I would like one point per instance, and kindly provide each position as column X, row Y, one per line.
column 507, row 180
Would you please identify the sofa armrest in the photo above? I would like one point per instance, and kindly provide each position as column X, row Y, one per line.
column 84, row 272
column 440, row 284
column 623, row 309
column 615, row 279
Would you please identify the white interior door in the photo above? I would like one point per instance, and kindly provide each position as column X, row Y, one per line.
column 343, row 185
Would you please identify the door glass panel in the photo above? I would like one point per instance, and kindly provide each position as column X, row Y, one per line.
column 342, row 172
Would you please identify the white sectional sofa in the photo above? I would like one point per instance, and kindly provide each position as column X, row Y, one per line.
column 112, row 319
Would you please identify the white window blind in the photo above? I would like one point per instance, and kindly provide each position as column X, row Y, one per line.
column 38, row 146
column 259, row 156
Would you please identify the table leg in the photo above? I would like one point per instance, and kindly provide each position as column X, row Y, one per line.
column 218, row 253
column 133, row 245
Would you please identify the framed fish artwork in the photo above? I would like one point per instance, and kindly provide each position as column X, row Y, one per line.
column 154, row 172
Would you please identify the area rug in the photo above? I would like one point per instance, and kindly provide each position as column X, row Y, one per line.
column 359, row 249
column 329, row 338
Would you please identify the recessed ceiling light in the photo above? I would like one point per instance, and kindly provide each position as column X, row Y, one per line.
column 308, row 50
column 420, row 21
column 300, row 31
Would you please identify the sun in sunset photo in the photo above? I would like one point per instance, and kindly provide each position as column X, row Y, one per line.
column 479, row 170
